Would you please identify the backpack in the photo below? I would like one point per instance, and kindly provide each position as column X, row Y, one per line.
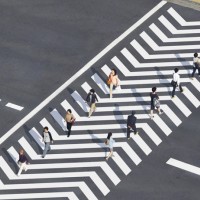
column 156, row 102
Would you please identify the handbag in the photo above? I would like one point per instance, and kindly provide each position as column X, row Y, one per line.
column 109, row 81
column 106, row 142
column 173, row 83
column 72, row 121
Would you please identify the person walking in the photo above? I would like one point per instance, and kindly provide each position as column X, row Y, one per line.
column 110, row 142
column 196, row 63
column 113, row 81
column 47, row 139
column 176, row 82
column 70, row 119
column 131, row 127
column 155, row 104
column 91, row 99
column 22, row 162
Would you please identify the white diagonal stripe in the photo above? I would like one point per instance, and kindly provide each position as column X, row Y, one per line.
column 180, row 20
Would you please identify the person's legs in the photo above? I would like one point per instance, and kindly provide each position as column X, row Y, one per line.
column 173, row 90
column 180, row 87
column 194, row 70
column 92, row 108
column 134, row 129
column 47, row 144
column 110, row 154
column 69, row 126
column 128, row 132
column 111, row 89
column 20, row 169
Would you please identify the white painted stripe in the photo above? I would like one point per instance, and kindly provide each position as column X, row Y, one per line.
column 164, row 38
column 183, row 166
column 191, row 97
column 56, row 115
column 30, row 151
column 86, row 88
column 54, row 134
column 173, row 30
column 84, row 106
column 180, row 20
column 172, row 116
column 155, row 47
column 37, row 137
column 102, row 84
column 137, row 64
column 196, row 84
column 104, row 166
column 81, row 71
column 150, row 132
column 121, row 164
column 182, row 107
column 163, row 126
column 124, row 70
column 65, row 104
column 69, row 195
column 14, row 106
column 142, row 144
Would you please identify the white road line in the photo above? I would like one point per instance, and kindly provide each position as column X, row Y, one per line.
column 81, row 71
column 104, row 166
column 182, row 107
column 191, row 97
column 65, row 104
column 147, row 129
column 180, row 20
column 173, row 30
column 164, row 38
column 137, row 64
column 37, row 137
column 142, row 144
column 32, row 154
column 69, row 195
column 14, row 106
column 183, row 166
column 155, row 47
column 128, row 73
column 163, row 126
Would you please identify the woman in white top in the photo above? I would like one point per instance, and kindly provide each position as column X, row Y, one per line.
column 114, row 81
column 176, row 79
column 196, row 62
column 110, row 142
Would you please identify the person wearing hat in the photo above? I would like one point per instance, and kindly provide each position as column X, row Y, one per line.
column 131, row 127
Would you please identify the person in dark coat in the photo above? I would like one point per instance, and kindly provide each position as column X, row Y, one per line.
column 91, row 99
column 131, row 127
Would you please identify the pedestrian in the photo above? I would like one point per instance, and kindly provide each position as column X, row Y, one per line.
column 70, row 119
column 113, row 81
column 155, row 104
column 91, row 99
column 176, row 82
column 47, row 139
column 131, row 127
column 22, row 162
column 196, row 66
column 110, row 142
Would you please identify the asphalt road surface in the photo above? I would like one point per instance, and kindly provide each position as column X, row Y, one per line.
column 65, row 36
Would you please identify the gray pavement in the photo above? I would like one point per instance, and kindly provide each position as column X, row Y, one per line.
column 149, row 178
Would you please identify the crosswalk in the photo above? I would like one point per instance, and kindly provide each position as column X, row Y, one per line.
column 76, row 167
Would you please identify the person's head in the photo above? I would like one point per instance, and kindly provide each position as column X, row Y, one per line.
column 69, row 111
column 176, row 70
column 92, row 91
column 153, row 89
column 46, row 129
column 195, row 55
column 21, row 152
column 133, row 112
column 114, row 72
column 109, row 135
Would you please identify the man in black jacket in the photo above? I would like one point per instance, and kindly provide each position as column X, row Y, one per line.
column 91, row 99
column 131, row 124
column 47, row 139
